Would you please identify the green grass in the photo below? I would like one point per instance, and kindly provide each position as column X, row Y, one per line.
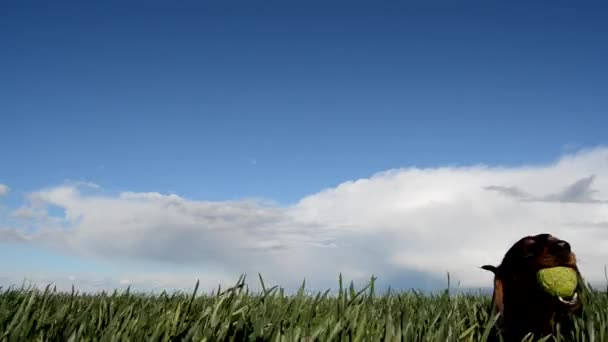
column 237, row 314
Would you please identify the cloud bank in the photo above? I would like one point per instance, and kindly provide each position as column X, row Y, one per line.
column 407, row 226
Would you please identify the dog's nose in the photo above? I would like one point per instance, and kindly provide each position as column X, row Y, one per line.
column 563, row 245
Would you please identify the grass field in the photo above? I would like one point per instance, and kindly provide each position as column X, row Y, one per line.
column 236, row 314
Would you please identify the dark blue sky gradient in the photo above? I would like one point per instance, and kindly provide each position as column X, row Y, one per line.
column 224, row 100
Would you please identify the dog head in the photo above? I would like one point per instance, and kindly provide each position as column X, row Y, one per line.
column 523, row 305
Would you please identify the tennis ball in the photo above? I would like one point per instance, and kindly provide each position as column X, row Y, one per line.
column 558, row 281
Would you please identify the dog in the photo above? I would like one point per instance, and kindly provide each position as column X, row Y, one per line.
column 522, row 306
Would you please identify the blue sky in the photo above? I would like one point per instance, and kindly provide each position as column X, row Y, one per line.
column 217, row 101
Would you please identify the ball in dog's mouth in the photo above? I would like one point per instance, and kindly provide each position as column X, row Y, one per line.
column 560, row 282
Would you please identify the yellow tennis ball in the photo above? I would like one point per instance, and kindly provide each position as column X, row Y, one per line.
column 558, row 281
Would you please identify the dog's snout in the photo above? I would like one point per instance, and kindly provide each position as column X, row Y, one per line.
column 563, row 246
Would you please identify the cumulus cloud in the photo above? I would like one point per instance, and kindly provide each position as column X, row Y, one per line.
column 30, row 214
column 577, row 192
column 511, row 191
column 407, row 226
column 4, row 189
column 12, row 235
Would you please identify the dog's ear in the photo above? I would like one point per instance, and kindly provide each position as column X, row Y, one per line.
column 498, row 293
column 498, row 296
column 490, row 268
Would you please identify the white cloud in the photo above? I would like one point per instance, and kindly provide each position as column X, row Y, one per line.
column 4, row 189
column 30, row 213
column 407, row 226
column 12, row 235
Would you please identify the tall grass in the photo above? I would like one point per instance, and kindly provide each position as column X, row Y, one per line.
column 237, row 314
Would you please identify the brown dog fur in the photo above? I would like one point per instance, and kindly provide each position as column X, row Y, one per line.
column 524, row 308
